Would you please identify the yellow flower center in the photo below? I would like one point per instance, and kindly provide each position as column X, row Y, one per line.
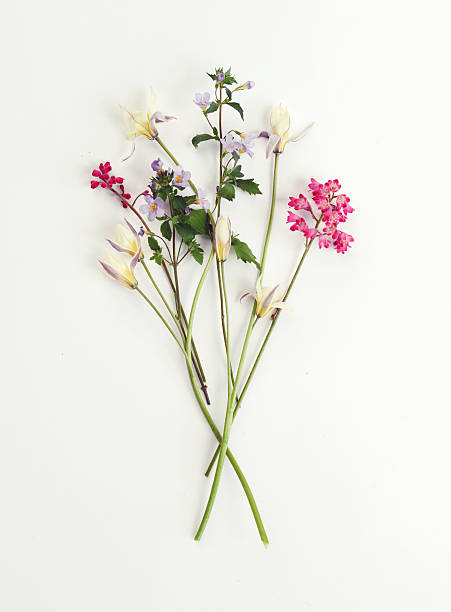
column 153, row 207
column 178, row 179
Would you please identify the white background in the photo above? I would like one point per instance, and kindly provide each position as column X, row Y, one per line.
column 345, row 433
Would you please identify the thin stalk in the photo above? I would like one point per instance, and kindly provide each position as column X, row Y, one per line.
column 262, row 268
column 225, row 437
column 215, row 430
column 161, row 317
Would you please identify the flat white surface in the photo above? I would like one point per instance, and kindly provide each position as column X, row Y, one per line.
column 345, row 434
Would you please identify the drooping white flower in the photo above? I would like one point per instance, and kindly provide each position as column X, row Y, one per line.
column 144, row 122
column 267, row 298
column 281, row 131
column 126, row 239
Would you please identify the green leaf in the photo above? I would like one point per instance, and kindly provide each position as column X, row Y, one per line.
column 229, row 93
column 238, row 108
column 198, row 220
column 166, row 231
column 197, row 253
column 153, row 243
column 243, row 252
column 227, row 191
column 179, row 203
column 248, row 185
column 157, row 258
column 212, row 108
column 236, row 172
column 186, row 232
column 212, row 76
column 200, row 138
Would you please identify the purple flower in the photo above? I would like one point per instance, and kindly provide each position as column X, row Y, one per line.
column 153, row 208
column 249, row 84
column 157, row 165
column 141, row 231
column 181, row 177
column 246, row 144
column 202, row 100
column 229, row 142
column 220, row 76
column 202, row 199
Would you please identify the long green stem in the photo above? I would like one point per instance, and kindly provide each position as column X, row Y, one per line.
column 226, row 433
column 215, row 430
column 262, row 268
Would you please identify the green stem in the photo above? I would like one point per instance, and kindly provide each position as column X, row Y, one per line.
column 226, row 433
column 196, row 360
column 262, row 268
column 215, row 430
column 271, row 213
column 152, row 305
column 168, row 308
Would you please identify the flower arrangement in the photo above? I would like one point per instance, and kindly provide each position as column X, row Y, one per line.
column 176, row 219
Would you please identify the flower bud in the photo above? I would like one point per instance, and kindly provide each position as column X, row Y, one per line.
column 222, row 238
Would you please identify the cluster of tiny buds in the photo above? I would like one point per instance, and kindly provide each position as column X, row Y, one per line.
column 107, row 180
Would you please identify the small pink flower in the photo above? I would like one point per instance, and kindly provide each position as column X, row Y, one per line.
column 333, row 186
column 324, row 241
column 300, row 203
column 342, row 241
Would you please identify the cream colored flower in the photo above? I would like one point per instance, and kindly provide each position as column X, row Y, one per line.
column 126, row 239
column 144, row 122
column 267, row 298
column 281, row 131
column 222, row 238
column 116, row 267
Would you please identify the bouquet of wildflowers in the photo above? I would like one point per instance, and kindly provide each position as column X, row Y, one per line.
column 173, row 219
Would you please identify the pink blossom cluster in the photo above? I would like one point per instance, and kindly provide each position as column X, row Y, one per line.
column 106, row 181
column 333, row 209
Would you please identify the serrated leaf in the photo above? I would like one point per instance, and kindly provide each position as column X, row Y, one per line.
column 212, row 108
column 198, row 254
column 236, row 172
column 198, row 220
column 238, row 108
column 166, row 230
column 153, row 243
column 227, row 191
column 201, row 138
column 185, row 232
column 248, row 185
column 243, row 252
column 157, row 258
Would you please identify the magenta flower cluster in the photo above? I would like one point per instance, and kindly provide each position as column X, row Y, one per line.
column 107, row 180
column 333, row 209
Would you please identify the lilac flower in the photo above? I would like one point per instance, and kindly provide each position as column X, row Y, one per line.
column 246, row 143
column 157, row 165
column 153, row 208
column 220, row 76
column 181, row 177
column 202, row 199
column 202, row 100
column 249, row 84
column 229, row 142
